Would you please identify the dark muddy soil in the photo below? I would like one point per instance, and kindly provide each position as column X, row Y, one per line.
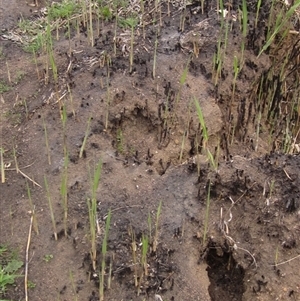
column 242, row 244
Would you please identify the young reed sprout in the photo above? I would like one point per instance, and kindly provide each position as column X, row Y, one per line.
column 104, row 251
column 185, row 134
column 257, row 12
column 92, row 207
column 64, row 121
column 32, row 207
column 71, row 99
column 2, row 165
column 50, row 207
column 107, row 62
column 74, row 289
column 206, row 214
column 85, row 138
column 149, row 225
column 257, row 131
column 64, row 192
column 50, row 51
column 155, row 56
column 36, row 65
column 276, row 257
column 205, row 135
column 64, row 180
column 226, row 35
column 202, row 6
column 91, row 34
column 245, row 18
column 144, row 268
column 201, row 121
column 145, row 246
column 155, row 240
column 245, row 26
column 134, row 248
column 8, row 72
column 217, row 58
column 217, row 61
column 15, row 159
column 182, row 81
column 143, row 17
column 109, row 273
column 236, row 70
column 132, row 23
column 47, row 142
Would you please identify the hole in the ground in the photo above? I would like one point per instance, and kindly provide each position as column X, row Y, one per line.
column 225, row 274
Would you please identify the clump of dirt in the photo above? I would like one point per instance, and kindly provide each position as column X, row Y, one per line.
column 228, row 225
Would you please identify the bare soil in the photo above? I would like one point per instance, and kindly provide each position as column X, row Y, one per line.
column 254, row 219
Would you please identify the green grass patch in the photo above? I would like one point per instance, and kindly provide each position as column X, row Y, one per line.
column 63, row 10
column 9, row 266
column 4, row 87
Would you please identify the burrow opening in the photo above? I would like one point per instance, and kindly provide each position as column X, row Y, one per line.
column 225, row 274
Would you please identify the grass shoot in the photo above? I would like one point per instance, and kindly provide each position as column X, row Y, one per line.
column 2, row 165
column 155, row 239
column 64, row 192
column 206, row 214
column 74, row 289
column 134, row 257
column 257, row 12
column 47, row 142
column 144, row 267
column 92, row 207
column 85, row 137
column 281, row 22
column 50, row 207
column 104, row 251
column 32, row 209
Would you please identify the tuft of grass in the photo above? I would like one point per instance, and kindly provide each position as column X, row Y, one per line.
column 63, row 10
column 35, row 44
column 205, row 135
column 145, row 247
column 4, row 87
column 281, row 22
column 144, row 268
column 131, row 23
column 50, row 52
